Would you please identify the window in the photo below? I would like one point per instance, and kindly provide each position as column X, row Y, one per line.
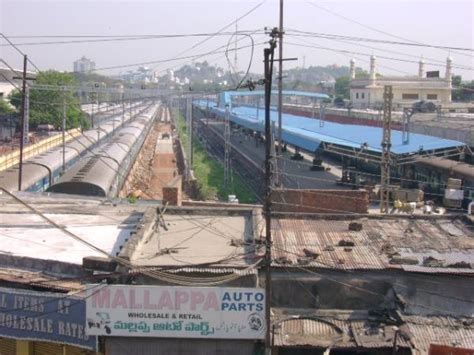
column 432, row 97
column 357, row 95
column 409, row 96
column 363, row 95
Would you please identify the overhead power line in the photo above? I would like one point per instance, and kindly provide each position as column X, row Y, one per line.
column 18, row 50
column 176, row 58
column 365, row 25
column 365, row 39
column 368, row 54
column 127, row 38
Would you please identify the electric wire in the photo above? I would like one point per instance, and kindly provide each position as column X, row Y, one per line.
column 365, row 25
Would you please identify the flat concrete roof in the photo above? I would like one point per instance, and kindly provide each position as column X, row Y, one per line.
column 24, row 234
column 198, row 239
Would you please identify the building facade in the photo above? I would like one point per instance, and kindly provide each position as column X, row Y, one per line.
column 367, row 92
column 84, row 65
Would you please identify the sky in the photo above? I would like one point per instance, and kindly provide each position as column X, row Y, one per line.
column 434, row 22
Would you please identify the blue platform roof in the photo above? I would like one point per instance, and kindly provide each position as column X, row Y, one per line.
column 307, row 134
column 225, row 97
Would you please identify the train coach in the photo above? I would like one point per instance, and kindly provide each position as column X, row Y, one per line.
column 103, row 171
column 44, row 169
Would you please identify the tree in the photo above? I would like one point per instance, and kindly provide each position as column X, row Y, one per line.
column 5, row 108
column 462, row 91
column 342, row 86
column 46, row 106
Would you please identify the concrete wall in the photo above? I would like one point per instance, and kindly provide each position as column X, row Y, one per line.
column 320, row 201
column 423, row 294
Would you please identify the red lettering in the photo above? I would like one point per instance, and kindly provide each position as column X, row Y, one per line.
column 101, row 299
column 181, row 297
column 197, row 297
column 119, row 299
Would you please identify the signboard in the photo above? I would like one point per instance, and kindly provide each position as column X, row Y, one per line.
column 176, row 312
column 44, row 316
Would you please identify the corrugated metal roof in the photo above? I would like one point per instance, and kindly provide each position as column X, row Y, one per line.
column 203, row 270
column 451, row 242
column 312, row 332
column 292, row 237
column 440, row 330
column 334, row 328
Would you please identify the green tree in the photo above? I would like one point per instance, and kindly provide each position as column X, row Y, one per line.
column 342, row 86
column 46, row 106
column 5, row 108
column 462, row 91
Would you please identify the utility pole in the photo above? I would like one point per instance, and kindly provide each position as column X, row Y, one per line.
column 227, row 147
column 322, row 111
column 63, row 128
column 280, row 89
column 98, row 118
column 268, row 60
column 24, row 119
column 386, row 145
column 189, row 126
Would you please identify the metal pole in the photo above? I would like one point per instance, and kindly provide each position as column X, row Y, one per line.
column 280, row 77
column 23, row 121
column 268, row 55
column 386, row 145
column 92, row 110
column 63, row 128
column 98, row 118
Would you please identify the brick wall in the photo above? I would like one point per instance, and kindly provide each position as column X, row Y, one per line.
column 172, row 192
column 320, row 201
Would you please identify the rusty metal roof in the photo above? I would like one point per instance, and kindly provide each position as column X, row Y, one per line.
column 457, row 332
column 39, row 280
column 328, row 243
column 332, row 328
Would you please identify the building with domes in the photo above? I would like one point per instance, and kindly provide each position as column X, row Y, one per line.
column 367, row 92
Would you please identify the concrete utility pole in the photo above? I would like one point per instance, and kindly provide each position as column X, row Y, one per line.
column 63, row 129
column 268, row 59
column 189, row 130
column 98, row 118
column 23, row 121
column 386, row 144
column 322, row 109
column 227, row 147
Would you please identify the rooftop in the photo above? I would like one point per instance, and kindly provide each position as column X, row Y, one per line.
column 203, row 239
column 361, row 329
column 413, row 244
column 28, row 240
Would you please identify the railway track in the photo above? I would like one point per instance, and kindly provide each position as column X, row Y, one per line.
column 242, row 164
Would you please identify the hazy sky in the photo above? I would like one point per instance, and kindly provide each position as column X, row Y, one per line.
column 446, row 23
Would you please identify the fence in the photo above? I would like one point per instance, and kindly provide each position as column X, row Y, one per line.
column 13, row 158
